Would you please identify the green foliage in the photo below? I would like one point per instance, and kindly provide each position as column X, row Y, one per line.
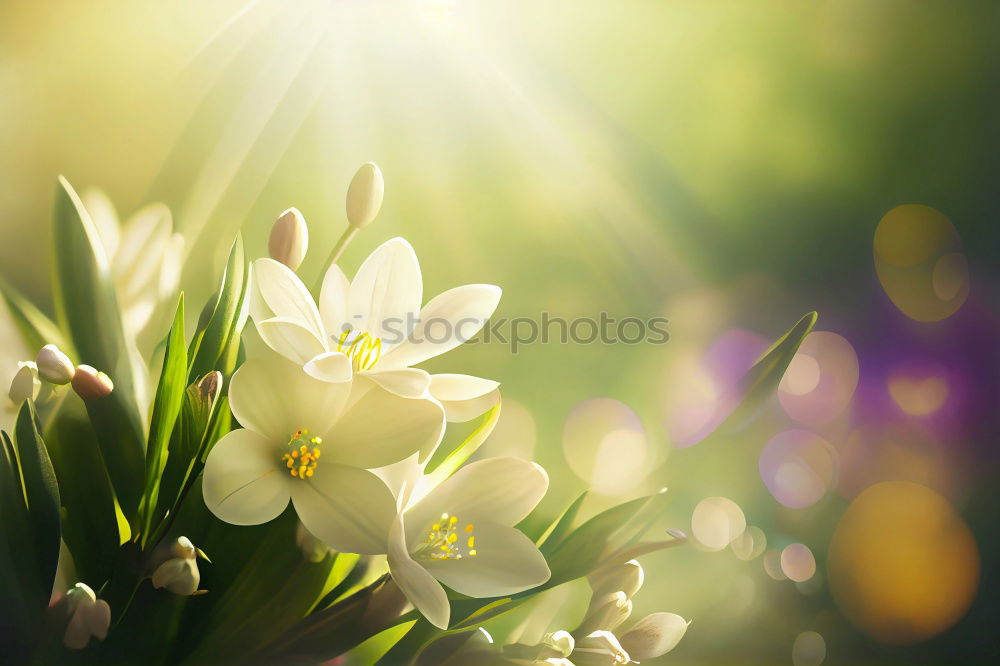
column 88, row 312
column 29, row 533
column 166, row 407
column 216, row 342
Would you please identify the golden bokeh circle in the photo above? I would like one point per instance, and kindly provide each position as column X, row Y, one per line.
column 902, row 564
column 920, row 262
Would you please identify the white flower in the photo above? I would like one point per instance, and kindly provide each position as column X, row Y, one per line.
column 289, row 239
column 303, row 442
column 25, row 383
column 607, row 611
column 654, row 635
column 89, row 617
column 461, row 534
column 376, row 322
column 145, row 257
column 54, row 366
column 600, row 648
column 626, row 577
column 179, row 574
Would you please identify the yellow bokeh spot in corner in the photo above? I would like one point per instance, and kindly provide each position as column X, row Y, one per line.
column 903, row 565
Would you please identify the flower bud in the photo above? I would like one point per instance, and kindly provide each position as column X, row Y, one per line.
column 54, row 366
column 556, row 645
column 25, row 383
column 606, row 612
column 654, row 635
column 364, row 195
column 289, row 239
column 89, row 617
column 90, row 384
column 179, row 574
column 599, row 648
column 626, row 577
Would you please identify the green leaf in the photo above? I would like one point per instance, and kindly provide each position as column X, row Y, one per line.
column 763, row 377
column 16, row 563
column 216, row 343
column 29, row 533
column 554, row 535
column 90, row 527
column 585, row 548
column 170, row 393
column 461, row 453
column 41, row 492
column 87, row 309
column 35, row 327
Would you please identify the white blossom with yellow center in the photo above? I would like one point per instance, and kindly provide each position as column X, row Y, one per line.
column 374, row 326
column 311, row 442
column 462, row 534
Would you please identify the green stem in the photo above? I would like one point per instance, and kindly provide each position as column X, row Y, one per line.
column 335, row 253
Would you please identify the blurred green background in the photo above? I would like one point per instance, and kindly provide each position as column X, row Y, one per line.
column 722, row 164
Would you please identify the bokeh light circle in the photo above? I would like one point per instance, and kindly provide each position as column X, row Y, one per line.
column 798, row 467
column 902, row 563
column 798, row 562
column 716, row 522
column 820, row 380
column 920, row 263
column 772, row 565
column 606, row 445
column 808, row 649
column 919, row 390
column 749, row 545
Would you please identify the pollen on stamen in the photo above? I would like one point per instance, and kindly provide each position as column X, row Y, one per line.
column 442, row 541
column 301, row 461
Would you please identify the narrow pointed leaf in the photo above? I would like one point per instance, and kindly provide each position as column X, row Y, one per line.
column 170, row 394
column 218, row 333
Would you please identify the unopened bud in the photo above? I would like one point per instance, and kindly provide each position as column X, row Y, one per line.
column 54, row 366
column 179, row 574
column 209, row 385
column 626, row 577
column 654, row 635
column 90, row 384
column 364, row 195
column 606, row 612
column 289, row 239
column 89, row 617
column 556, row 645
column 25, row 383
column 600, row 648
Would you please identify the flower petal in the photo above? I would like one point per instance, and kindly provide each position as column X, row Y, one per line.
column 274, row 398
column 447, row 321
column 382, row 428
column 464, row 397
column 242, row 483
column 386, row 292
column 330, row 367
column 419, row 586
column 349, row 509
column 290, row 339
column 654, row 635
column 285, row 294
column 500, row 490
column 333, row 301
column 406, row 382
column 506, row 562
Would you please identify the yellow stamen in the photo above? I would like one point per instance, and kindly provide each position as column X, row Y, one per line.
column 301, row 462
column 442, row 542
column 363, row 349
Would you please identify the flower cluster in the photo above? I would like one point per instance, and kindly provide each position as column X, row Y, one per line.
column 303, row 413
